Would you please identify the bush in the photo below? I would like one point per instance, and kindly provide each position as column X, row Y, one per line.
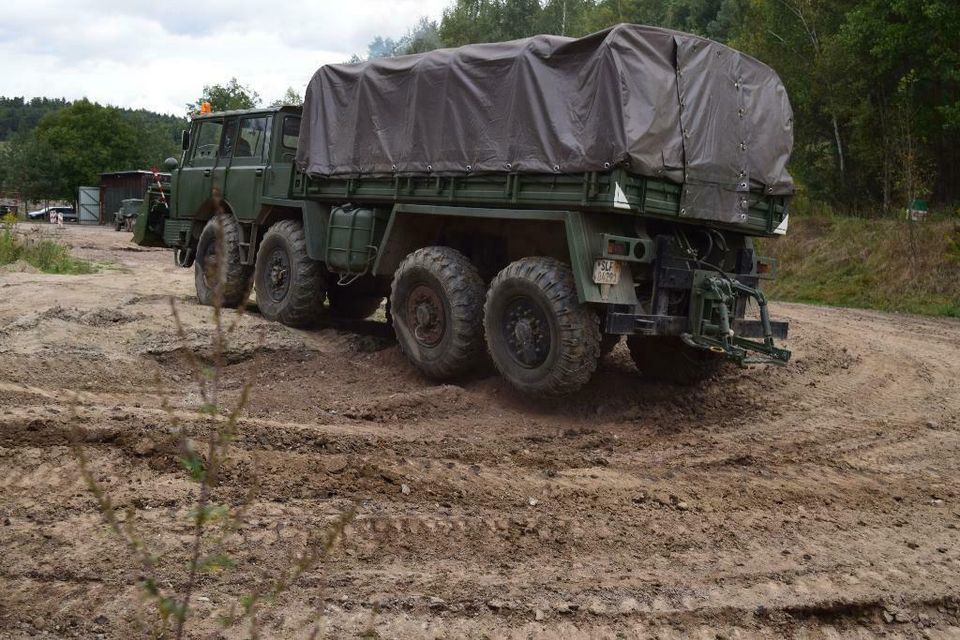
column 46, row 255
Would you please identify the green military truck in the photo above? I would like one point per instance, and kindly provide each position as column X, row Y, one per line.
column 533, row 200
column 126, row 216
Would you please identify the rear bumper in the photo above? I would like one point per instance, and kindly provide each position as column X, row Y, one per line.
column 712, row 323
column 622, row 323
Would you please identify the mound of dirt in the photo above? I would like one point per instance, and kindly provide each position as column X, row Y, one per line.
column 19, row 266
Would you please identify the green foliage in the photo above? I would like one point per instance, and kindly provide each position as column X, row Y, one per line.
column 289, row 97
column 72, row 143
column 421, row 38
column 19, row 115
column 46, row 255
column 891, row 265
column 228, row 97
column 86, row 139
column 875, row 84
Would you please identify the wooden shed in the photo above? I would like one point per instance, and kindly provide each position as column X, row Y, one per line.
column 116, row 186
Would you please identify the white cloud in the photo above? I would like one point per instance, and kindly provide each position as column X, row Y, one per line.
column 158, row 55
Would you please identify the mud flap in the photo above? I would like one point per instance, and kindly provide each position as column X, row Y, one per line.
column 712, row 303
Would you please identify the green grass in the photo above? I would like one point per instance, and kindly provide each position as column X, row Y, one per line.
column 47, row 256
column 890, row 265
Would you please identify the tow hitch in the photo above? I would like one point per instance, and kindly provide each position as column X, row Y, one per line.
column 712, row 305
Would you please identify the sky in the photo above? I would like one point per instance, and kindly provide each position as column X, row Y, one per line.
column 158, row 55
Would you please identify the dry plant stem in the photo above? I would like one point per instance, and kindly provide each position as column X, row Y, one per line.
column 208, row 478
column 204, row 469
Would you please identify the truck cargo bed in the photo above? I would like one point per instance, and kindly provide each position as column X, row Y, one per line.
column 616, row 191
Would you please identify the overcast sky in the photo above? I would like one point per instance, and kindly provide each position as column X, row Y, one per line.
column 158, row 55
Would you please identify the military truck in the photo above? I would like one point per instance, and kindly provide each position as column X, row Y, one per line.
column 534, row 200
column 126, row 216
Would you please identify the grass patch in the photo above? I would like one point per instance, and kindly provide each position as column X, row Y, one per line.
column 45, row 255
column 890, row 265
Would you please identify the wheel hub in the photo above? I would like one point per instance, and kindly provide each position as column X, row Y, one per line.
column 425, row 315
column 278, row 273
column 527, row 332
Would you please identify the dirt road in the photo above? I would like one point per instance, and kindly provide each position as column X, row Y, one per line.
column 819, row 500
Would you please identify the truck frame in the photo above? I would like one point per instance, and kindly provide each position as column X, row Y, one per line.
column 545, row 272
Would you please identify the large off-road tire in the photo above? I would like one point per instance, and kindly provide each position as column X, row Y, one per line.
column 347, row 305
column 541, row 339
column 236, row 276
column 290, row 285
column 436, row 302
column 669, row 359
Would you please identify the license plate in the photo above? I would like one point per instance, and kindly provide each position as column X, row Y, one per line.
column 606, row 271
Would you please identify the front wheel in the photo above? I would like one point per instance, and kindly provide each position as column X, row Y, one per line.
column 540, row 337
column 234, row 277
column 290, row 285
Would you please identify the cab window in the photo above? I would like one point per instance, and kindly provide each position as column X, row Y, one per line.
column 229, row 139
column 208, row 137
column 291, row 131
column 250, row 143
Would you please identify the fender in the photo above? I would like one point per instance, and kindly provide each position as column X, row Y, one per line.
column 583, row 235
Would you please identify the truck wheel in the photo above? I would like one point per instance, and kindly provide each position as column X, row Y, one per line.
column 236, row 283
column 669, row 359
column 351, row 306
column 436, row 301
column 541, row 339
column 290, row 285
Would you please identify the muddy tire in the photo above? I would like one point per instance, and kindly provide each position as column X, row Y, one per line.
column 669, row 359
column 351, row 306
column 436, row 304
column 290, row 285
column 236, row 277
column 541, row 339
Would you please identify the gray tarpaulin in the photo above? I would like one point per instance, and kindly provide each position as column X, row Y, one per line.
column 664, row 103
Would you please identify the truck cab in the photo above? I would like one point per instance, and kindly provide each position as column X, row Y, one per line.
column 231, row 162
column 233, row 159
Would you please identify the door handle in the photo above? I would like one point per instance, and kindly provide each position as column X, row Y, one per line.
column 259, row 172
column 206, row 173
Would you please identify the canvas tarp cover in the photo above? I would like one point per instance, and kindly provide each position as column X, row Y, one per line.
column 663, row 103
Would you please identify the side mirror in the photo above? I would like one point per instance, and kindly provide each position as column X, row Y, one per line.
column 185, row 139
column 170, row 164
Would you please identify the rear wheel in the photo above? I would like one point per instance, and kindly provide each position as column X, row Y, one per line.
column 436, row 304
column 541, row 339
column 235, row 277
column 290, row 285
column 669, row 359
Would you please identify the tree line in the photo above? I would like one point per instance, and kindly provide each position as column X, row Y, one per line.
column 875, row 84
column 875, row 87
column 49, row 148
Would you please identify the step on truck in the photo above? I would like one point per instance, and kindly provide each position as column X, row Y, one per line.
column 533, row 201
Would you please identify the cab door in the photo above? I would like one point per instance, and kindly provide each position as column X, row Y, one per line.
column 193, row 182
column 243, row 181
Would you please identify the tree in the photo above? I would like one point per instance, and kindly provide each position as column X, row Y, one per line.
column 85, row 139
column 423, row 37
column 227, row 97
column 289, row 97
column 29, row 167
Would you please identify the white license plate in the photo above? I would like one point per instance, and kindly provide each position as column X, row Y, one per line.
column 606, row 271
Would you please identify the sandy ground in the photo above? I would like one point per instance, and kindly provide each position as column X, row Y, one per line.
column 820, row 500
